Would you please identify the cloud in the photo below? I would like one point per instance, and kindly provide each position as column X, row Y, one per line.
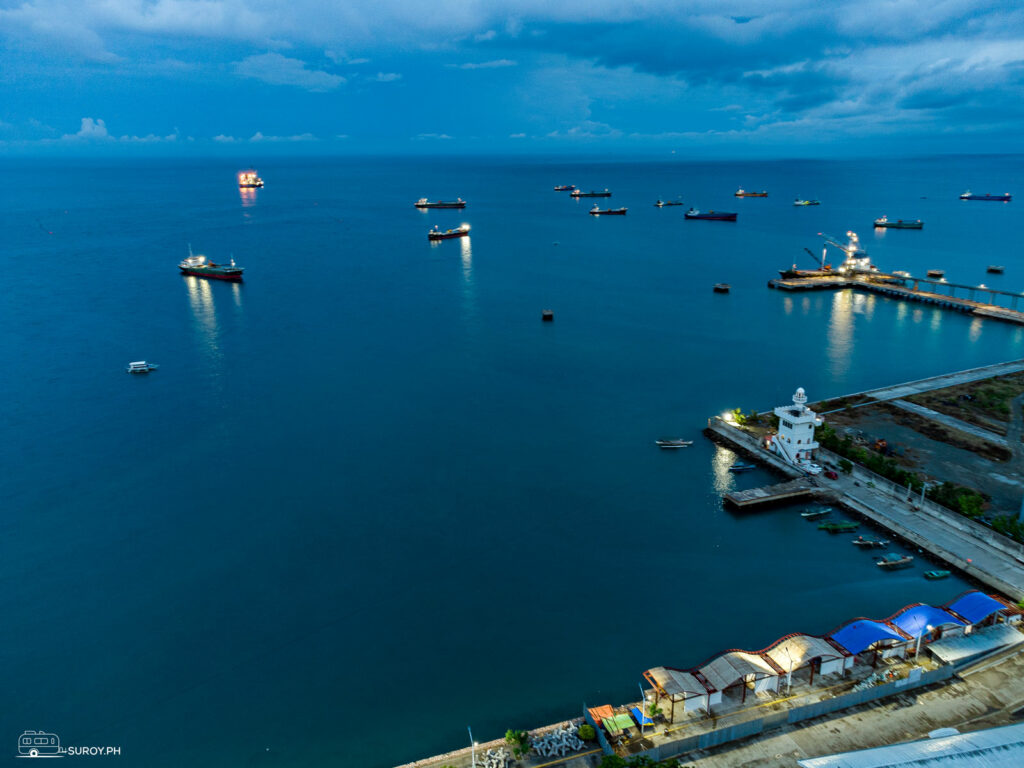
column 517, row 135
column 275, row 69
column 386, row 77
column 91, row 130
column 257, row 137
column 431, row 136
column 220, row 138
column 496, row 64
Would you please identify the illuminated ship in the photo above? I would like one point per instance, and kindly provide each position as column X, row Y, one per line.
column 424, row 203
column 1003, row 198
column 448, row 234
column 198, row 266
column 249, row 179
column 743, row 193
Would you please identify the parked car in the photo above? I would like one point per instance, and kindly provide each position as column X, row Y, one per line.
column 831, row 475
column 811, row 469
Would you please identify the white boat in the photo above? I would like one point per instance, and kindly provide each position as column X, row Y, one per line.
column 141, row 366
column 677, row 443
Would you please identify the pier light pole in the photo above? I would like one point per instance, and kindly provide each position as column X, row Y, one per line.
column 472, row 744
column 643, row 708
column 929, row 627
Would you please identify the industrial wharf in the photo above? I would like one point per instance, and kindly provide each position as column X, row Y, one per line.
column 966, row 545
column 923, row 290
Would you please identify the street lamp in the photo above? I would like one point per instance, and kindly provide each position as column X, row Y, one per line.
column 929, row 627
column 643, row 707
column 473, row 744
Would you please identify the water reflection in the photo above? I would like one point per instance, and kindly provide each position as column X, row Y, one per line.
column 467, row 258
column 725, row 481
column 901, row 312
column 248, row 195
column 840, row 333
column 936, row 319
column 787, row 305
column 975, row 330
column 805, row 305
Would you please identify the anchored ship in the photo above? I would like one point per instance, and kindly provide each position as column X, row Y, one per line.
column 884, row 223
column 1003, row 198
column 249, row 179
column 448, row 234
column 424, row 203
column 693, row 213
column 198, row 266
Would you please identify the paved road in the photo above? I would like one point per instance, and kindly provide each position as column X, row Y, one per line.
column 946, row 380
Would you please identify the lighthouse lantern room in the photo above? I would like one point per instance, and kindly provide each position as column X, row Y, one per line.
column 795, row 440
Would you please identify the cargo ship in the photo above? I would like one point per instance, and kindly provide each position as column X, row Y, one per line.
column 1003, row 198
column 663, row 204
column 595, row 211
column 448, row 234
column 198, row 266
column 693, row 213
column 249, row 180
column 591, row 193
column 423, row 203
column 565, row 188
column 743, row 193
column 884, row 223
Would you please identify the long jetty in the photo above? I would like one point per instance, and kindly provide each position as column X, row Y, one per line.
column 919, row 289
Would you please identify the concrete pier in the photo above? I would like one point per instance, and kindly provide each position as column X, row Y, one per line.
column 770, row 494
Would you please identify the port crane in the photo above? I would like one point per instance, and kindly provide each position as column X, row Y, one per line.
column 856, row 257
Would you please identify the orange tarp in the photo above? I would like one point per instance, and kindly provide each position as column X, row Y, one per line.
column 600, row 713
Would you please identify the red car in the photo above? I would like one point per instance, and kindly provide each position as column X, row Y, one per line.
column 831, row 475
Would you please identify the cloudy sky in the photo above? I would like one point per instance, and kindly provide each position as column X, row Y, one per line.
column 716, row 77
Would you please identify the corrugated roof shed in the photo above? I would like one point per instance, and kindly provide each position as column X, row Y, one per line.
column 918, row 617
column 676, row 682
column 732, row 667
column 975, row 606
column 861, row 634
column 952, row 650
column 800, row 649
column 992, row 748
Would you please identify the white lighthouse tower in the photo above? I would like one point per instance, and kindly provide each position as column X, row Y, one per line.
column 795, row 440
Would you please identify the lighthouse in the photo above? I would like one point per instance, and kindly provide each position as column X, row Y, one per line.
column 795, row 440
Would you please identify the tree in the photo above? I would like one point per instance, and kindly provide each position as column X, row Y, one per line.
column 613, row 761
column 845, row 466
column 653, row 710
column 518, row 740
column 586, row 732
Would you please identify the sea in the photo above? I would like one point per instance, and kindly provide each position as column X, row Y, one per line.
column 369, row 499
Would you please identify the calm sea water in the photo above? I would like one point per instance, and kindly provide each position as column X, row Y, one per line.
column 369, row 498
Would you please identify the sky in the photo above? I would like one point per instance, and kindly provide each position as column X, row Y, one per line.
column 742, row 78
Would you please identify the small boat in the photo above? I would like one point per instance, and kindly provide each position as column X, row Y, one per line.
column 198, row 266
column 693, row 213
column 798, row 201
column 995, row 269
column 884, row 223
column 565, row 188
column 423, row 203
column 591, row 193
column 673, row 443
column 844, row 527
column 721, row 288
column 448, row 234
column 596, row 211
column 935, row 575
column 936, row 273
column 1003, row 198
column 893, row 561
column 667, row 203
column 900, row 273
column 249, row 180
column 743, row 193
column 812, row 514
column 860, row 541
column 141, row 366
column 741, row 467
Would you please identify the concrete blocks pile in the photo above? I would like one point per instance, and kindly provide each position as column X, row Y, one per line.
column 494, row 758
column 559, row 742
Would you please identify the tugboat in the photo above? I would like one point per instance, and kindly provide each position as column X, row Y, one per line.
column 141, row 366
column 1003, row 198
column 448, row 234
column 894, row 562
column 596, row 211
column 198, row 266
column 743, row 193
column 798, row 201
column 423, row 203
column 591, row 193
column 693, row 213
column 249, row 180
column 565, row 188
column 884, row 223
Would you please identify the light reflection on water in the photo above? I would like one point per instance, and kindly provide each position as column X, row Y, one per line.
column 840, row 333
column 724, row 480
column 204, row 311
column 248, row 195
column 975, row 330
column 787, row 305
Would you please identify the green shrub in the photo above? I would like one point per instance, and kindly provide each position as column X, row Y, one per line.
column 586, row 732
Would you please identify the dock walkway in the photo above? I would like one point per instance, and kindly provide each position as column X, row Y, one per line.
column 791, row 489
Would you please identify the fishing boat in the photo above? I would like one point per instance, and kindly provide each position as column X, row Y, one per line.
column 743, row 193
column 721, row 287
column 798, row 201
column 884, row 223
column 667, row 203
column 741, row 467
column 591, row 193
column 597, row 211
column 844, row 527
column 198, row 266
column 1003, row 198
column 995, row 269
column 249, row 180
column 423, row 203
column 141, row 366
column 448, row 234
column 813, row 514
column 565, row 188
column 673, row 443
column 894, row 562
column 693, row 213
column 935, row 575
column 936, row 273
column 860, row 541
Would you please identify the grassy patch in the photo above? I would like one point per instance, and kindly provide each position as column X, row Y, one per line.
column 985, row 403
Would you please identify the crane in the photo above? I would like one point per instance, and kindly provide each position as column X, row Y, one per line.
column 856, row 257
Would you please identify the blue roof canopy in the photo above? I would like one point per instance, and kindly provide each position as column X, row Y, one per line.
column 917, row 619
column 975, row 606
column 858, row 635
